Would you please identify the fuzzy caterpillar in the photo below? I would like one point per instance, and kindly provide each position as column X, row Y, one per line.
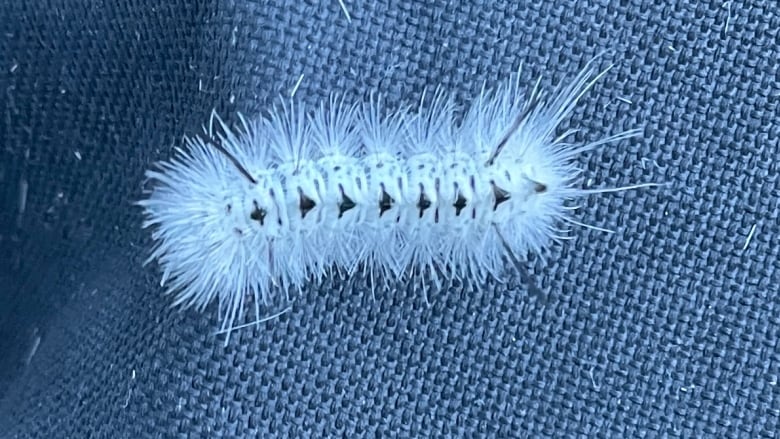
column 286, row 198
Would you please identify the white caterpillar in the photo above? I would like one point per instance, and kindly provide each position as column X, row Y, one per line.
column 408, row 195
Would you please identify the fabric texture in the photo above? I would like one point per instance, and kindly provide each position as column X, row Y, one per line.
column 668, row 327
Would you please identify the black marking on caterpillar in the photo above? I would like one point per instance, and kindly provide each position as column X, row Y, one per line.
column 306, row 204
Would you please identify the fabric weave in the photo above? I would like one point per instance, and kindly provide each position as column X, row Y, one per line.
column 668, row 327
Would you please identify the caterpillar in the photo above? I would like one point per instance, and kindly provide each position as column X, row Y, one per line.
column 290, row 197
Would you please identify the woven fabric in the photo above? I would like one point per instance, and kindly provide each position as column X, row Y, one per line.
column 668, row 327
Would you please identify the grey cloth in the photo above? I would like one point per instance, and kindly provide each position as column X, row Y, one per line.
column 669, row 327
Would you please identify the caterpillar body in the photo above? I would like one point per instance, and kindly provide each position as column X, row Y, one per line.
column 287, row 198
